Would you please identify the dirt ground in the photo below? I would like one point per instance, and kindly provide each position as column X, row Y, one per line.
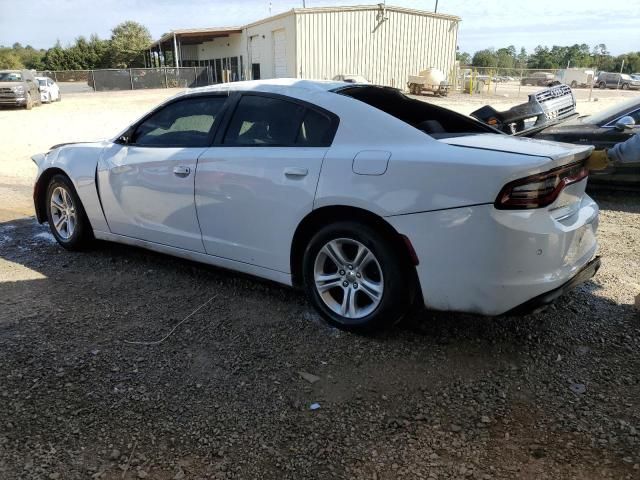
column 554, row 395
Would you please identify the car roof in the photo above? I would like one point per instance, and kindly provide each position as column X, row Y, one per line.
column 284, row 86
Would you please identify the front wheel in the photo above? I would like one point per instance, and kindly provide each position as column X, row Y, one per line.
column 67, row 218
column 574, row 84
column 29, row 104
column 602, row 85
column 625, row 86
column 355, row 278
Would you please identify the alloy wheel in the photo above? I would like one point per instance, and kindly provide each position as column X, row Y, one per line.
column 63, row 213
column 348, row 278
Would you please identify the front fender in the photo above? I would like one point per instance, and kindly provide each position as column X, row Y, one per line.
column 79, row 163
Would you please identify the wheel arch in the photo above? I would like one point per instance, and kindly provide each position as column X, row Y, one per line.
column 40, row 191
column 335, row 213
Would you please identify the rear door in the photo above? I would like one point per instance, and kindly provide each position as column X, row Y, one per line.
column 147, row 183
column 258, row 182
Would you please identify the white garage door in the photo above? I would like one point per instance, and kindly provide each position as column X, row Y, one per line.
column 279, row 54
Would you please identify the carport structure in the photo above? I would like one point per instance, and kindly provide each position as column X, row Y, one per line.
column 179, row 48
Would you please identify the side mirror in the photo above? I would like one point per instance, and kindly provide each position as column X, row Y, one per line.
column 625, row 123
column 126, row 137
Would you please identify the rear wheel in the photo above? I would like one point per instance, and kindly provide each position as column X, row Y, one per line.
column 574, row 84
column 602, row 85
column 625, row 86
column 355, row 278
column 29, row 104
column 67, row 218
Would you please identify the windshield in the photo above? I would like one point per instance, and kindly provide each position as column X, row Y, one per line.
column 616, row 110
column 10, row 77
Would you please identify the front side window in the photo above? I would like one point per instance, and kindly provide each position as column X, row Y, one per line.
column 264, row 121
column 186, row 123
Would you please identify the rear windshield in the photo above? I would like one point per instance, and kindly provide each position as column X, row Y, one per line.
column 436, row 121
column 42, row 82
column 10, row 77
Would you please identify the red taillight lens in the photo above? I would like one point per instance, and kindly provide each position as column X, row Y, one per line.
column 539, row 190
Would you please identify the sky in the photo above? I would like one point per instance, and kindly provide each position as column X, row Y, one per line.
column 485, row 23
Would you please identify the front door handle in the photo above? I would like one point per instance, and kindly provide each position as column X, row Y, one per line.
column 296, row 172
column 181, row 171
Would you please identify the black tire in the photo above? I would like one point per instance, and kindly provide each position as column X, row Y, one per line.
column 625, row 86
column 574, row 84
column 59, row 99
column 81, row 234
column 398, row 280
column 602, row 85
column 29, row 104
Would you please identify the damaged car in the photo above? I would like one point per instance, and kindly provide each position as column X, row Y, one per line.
column 282, row 179
column 603, row 130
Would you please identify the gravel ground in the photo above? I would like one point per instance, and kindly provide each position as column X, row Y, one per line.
column 230, row 393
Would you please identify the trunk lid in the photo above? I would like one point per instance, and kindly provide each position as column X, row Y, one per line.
column 559, row 153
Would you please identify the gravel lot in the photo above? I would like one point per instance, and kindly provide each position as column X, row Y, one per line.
column 229, row 394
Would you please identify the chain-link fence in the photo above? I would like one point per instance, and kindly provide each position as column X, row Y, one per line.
column 519, row 82
column 132, row 78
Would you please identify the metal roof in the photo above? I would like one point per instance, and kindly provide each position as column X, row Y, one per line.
column 199, row 35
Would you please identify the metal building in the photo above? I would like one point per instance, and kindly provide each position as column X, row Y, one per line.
column 385, row 44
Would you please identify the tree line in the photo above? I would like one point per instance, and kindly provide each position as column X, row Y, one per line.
column 542, row 57
column 124, row 49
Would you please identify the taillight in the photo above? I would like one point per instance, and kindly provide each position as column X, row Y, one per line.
column 539, row 190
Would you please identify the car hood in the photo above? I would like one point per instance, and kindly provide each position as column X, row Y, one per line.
column 560, row 153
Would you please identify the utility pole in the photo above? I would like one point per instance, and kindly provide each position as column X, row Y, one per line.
column 304, row 4
column 436, row 9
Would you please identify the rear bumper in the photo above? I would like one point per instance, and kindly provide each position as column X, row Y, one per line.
column 541, row 301
column 486, row 261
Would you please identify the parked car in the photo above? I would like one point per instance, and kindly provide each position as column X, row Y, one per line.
column 19, row 88
column 539, row 79
column 575, row 77
column 350, row 78
column 283, row 180
column 617, row 80
column 49, row 90
column 603, row 130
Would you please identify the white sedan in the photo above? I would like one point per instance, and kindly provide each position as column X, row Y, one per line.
column 49, row 90
column 368, row 199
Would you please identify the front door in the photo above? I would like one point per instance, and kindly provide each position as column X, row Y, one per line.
column 147, row 182
column 254, row 188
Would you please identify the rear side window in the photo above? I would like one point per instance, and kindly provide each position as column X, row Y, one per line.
column 316, row 130
column 185, row 123
column 264, row 121
column 268, row 121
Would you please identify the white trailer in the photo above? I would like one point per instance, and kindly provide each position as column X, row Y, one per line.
column 576, row 77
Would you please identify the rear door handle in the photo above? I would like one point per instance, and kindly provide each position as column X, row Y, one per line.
column 181, row 171
column 296, row 172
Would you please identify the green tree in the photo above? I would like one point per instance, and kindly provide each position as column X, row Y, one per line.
column 464, row 58
column 522, row 58
column 9, row 59
column 485, row 58
column 128, row 42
